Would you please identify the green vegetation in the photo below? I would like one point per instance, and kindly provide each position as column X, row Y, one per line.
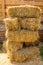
column 41, row 49
column 1, row 47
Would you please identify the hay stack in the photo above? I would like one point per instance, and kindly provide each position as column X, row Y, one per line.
column 21, row 31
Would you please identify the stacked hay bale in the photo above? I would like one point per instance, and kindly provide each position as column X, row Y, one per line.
column 22, row 33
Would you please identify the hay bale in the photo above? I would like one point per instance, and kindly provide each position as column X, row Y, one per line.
column 25, row 54
column 12, row 24
column 24, row 11
column 30, row 23
column 13, row 46
column 5, row 61
column 25, row 23
column 22, row 36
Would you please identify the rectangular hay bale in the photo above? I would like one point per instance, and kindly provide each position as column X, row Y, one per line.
column 12, row 24
column 30, row 23
column 25, row 54
column 24, row 11
column 22, row 36
column 13, row 46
